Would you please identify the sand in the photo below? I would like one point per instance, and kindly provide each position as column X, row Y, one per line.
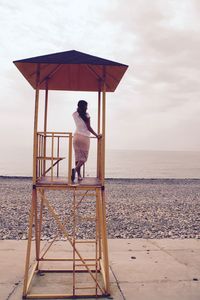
column 136, row 208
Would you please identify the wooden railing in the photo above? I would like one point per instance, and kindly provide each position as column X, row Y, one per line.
column 54, row 147
column 50, row 153
column 99, row 160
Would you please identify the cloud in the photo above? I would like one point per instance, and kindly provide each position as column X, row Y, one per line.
column 160, row 41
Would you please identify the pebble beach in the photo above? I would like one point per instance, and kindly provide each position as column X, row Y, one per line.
column 135, row 208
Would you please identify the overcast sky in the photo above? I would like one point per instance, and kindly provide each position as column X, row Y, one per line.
column 156, row 105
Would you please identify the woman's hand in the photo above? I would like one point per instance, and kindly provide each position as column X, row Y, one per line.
column 99, row 136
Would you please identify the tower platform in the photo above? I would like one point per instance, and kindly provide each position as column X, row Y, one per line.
column 63, row 182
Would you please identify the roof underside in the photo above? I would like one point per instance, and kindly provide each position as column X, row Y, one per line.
column 71, row 70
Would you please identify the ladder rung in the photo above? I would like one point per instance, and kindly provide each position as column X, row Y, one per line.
column 85, row 195
column 86, row 202
column 83, row 265
column 87, row 218
column 85, row 288
column 85, row 241
column 85, row 259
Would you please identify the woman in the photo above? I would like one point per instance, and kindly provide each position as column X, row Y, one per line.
column 81, row 140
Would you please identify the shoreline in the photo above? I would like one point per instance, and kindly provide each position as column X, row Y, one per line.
column 117, row 178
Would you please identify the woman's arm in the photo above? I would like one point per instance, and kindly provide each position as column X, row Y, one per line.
column 91, row 130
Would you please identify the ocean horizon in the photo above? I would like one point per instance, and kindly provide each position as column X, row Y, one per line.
column 123, row 164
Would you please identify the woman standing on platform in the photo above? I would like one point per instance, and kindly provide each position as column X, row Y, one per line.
column 81, row 140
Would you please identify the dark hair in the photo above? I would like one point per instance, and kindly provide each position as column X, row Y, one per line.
column 82, row 107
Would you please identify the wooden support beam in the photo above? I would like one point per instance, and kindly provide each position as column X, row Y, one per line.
column 105, row 261
column 28, row 251
column 45, row 123
column 36, row 125
column 70, row 159
column 103, row 134
column 99, row 131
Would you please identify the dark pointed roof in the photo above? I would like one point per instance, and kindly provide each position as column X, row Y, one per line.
column 72, row 70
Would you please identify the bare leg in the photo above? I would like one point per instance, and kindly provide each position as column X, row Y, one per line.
column 78, row 168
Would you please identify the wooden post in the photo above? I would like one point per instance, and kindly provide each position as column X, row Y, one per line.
column 46, row 107
column 41, row 218
column 103, row 132
column 52, row 155
column 35, row 154
column 104, row 242
column 45, row 125
column 99, row 108
column 70, row 159
column 37, row 226
column 98, row 229
column 28, row 251
column 104, row 262
column 74, row 241
column 99, row 129
column 36, row 125
column 58, row 153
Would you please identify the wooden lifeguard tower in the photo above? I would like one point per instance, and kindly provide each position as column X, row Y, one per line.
column 68, row 71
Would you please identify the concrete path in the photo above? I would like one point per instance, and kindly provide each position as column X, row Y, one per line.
column 140, row 269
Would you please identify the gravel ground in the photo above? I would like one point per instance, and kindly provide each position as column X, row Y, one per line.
column 136, row 208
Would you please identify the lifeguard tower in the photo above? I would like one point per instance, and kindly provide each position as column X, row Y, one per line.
column 83, row 275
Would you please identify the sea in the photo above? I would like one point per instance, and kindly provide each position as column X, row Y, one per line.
column 121, row 164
